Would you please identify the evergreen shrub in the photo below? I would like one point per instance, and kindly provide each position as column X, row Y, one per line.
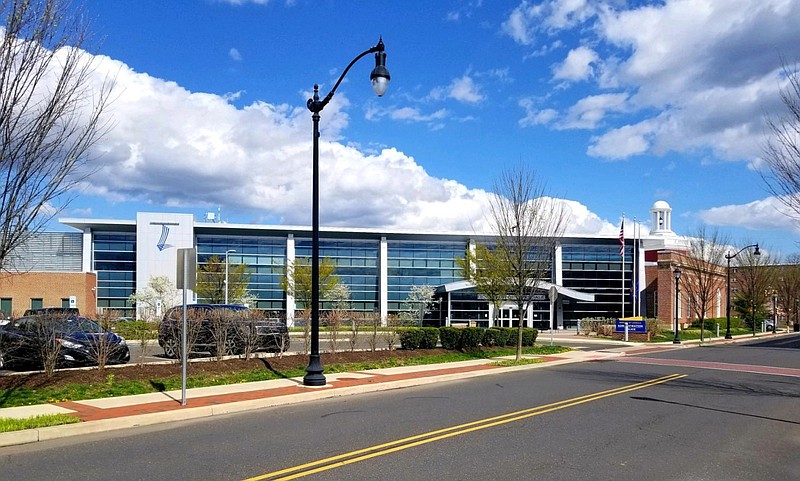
column 450, row 337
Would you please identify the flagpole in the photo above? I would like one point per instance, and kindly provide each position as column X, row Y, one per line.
column 622, row 254
column 636, row 234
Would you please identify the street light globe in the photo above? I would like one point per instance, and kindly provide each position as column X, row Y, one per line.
column 380, row 75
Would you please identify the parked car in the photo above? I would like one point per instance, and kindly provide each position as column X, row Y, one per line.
column 75, row 341
column 53, row 311
column 241, row 325
column 769, row 324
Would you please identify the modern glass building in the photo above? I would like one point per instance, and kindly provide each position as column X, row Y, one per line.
column 588, row 277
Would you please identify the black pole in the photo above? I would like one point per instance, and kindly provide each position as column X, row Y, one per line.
column 314, row 376
column 677, row 339
column 728, row 303
column 380, row 79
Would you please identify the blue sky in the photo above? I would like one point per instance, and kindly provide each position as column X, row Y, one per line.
column 614, row 104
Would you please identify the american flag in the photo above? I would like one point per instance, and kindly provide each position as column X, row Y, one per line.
column 622, row 239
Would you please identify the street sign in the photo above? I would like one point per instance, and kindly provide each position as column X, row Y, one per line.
column 634, row 325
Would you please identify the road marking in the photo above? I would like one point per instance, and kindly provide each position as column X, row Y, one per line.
column 452, row 431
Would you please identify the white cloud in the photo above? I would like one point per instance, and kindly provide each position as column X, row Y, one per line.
column 577, row 65
column 588, row 112
column 463, row 89
column 767, row 213
column 535, row 116
column 235, row 55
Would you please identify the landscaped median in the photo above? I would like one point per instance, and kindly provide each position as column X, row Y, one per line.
column 37, row 389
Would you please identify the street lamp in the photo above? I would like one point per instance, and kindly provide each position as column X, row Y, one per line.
column 677, row 274
column 229, row 251
column 380, row 82
column 774, row 312
column 728, row 294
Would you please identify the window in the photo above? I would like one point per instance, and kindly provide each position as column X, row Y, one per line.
column 65, row 303
column 5, row 307
column 37, row 303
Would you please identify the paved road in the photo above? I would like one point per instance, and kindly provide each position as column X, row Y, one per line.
column 590, row 421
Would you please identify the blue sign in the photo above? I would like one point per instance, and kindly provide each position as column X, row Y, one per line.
column 633, row 326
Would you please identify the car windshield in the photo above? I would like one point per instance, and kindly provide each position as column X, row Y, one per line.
column 78, row 324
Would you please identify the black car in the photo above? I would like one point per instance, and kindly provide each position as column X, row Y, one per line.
column 74, row 341
column 242, row 327
column 52, row 311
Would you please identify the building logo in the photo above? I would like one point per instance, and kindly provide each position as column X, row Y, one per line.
column 162, row 241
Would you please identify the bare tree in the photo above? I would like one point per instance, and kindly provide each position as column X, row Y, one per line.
column 528, row 225
column 51, row 114
column 704, row 277
column 224, row 340
column 755, row 278
column 782, row 150
column 787, row 285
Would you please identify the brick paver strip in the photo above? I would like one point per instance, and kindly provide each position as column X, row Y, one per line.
column 90, row 413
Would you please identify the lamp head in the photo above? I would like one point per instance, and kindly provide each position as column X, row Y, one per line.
column 756, row 252
column 677, row 273
column 380, row 75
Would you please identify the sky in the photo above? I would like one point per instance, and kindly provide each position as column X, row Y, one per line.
column 613, row 105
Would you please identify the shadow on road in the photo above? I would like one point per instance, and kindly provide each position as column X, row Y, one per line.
column 639, row 398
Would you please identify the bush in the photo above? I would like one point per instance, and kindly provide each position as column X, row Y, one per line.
column 451, row 337
column 495, row 337
column 410, row 337
column 512, row 336
column 529, row 335
column 430, row 338
column 471, row 338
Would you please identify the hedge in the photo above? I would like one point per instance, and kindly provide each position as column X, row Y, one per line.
column 450, row 337
column 410, row 337
column 471, row 338
column 495, row 337
column 430, row 338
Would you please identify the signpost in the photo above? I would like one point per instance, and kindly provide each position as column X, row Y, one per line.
column 631, row 324
column 186, row 280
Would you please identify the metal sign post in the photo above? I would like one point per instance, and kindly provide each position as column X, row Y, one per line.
column 187, row 277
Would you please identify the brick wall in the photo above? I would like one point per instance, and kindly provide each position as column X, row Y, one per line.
column 51, row 287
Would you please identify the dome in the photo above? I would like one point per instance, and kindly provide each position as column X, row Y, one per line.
column 661, row 205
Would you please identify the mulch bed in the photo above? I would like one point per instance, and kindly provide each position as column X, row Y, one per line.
column 35, row 380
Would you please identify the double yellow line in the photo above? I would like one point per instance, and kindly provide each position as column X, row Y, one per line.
column 432, row 436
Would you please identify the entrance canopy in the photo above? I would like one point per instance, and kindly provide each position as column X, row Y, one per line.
column 541, row 285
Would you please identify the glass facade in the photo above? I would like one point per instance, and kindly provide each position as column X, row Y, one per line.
column 265, row 258
column 356, row 267
column 114, row 259
column 414, row 263
column 596, row 269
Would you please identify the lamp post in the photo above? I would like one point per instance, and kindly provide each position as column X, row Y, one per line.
column 229, row 251
column 774, row 312
column 677, row 274
column 728, row 257
column 380, row 82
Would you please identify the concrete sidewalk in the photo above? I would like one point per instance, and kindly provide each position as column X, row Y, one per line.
column 100, row 415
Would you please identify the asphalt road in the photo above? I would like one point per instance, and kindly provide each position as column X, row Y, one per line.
column 676, row 415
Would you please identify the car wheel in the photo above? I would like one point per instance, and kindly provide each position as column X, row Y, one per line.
column 171, row 348
column 233, row 347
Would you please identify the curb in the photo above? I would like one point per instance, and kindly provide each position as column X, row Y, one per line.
column 107, row 425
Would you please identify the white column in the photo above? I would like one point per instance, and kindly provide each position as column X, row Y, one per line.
column 86, row 260
column 383, row 281
column 291, row 305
